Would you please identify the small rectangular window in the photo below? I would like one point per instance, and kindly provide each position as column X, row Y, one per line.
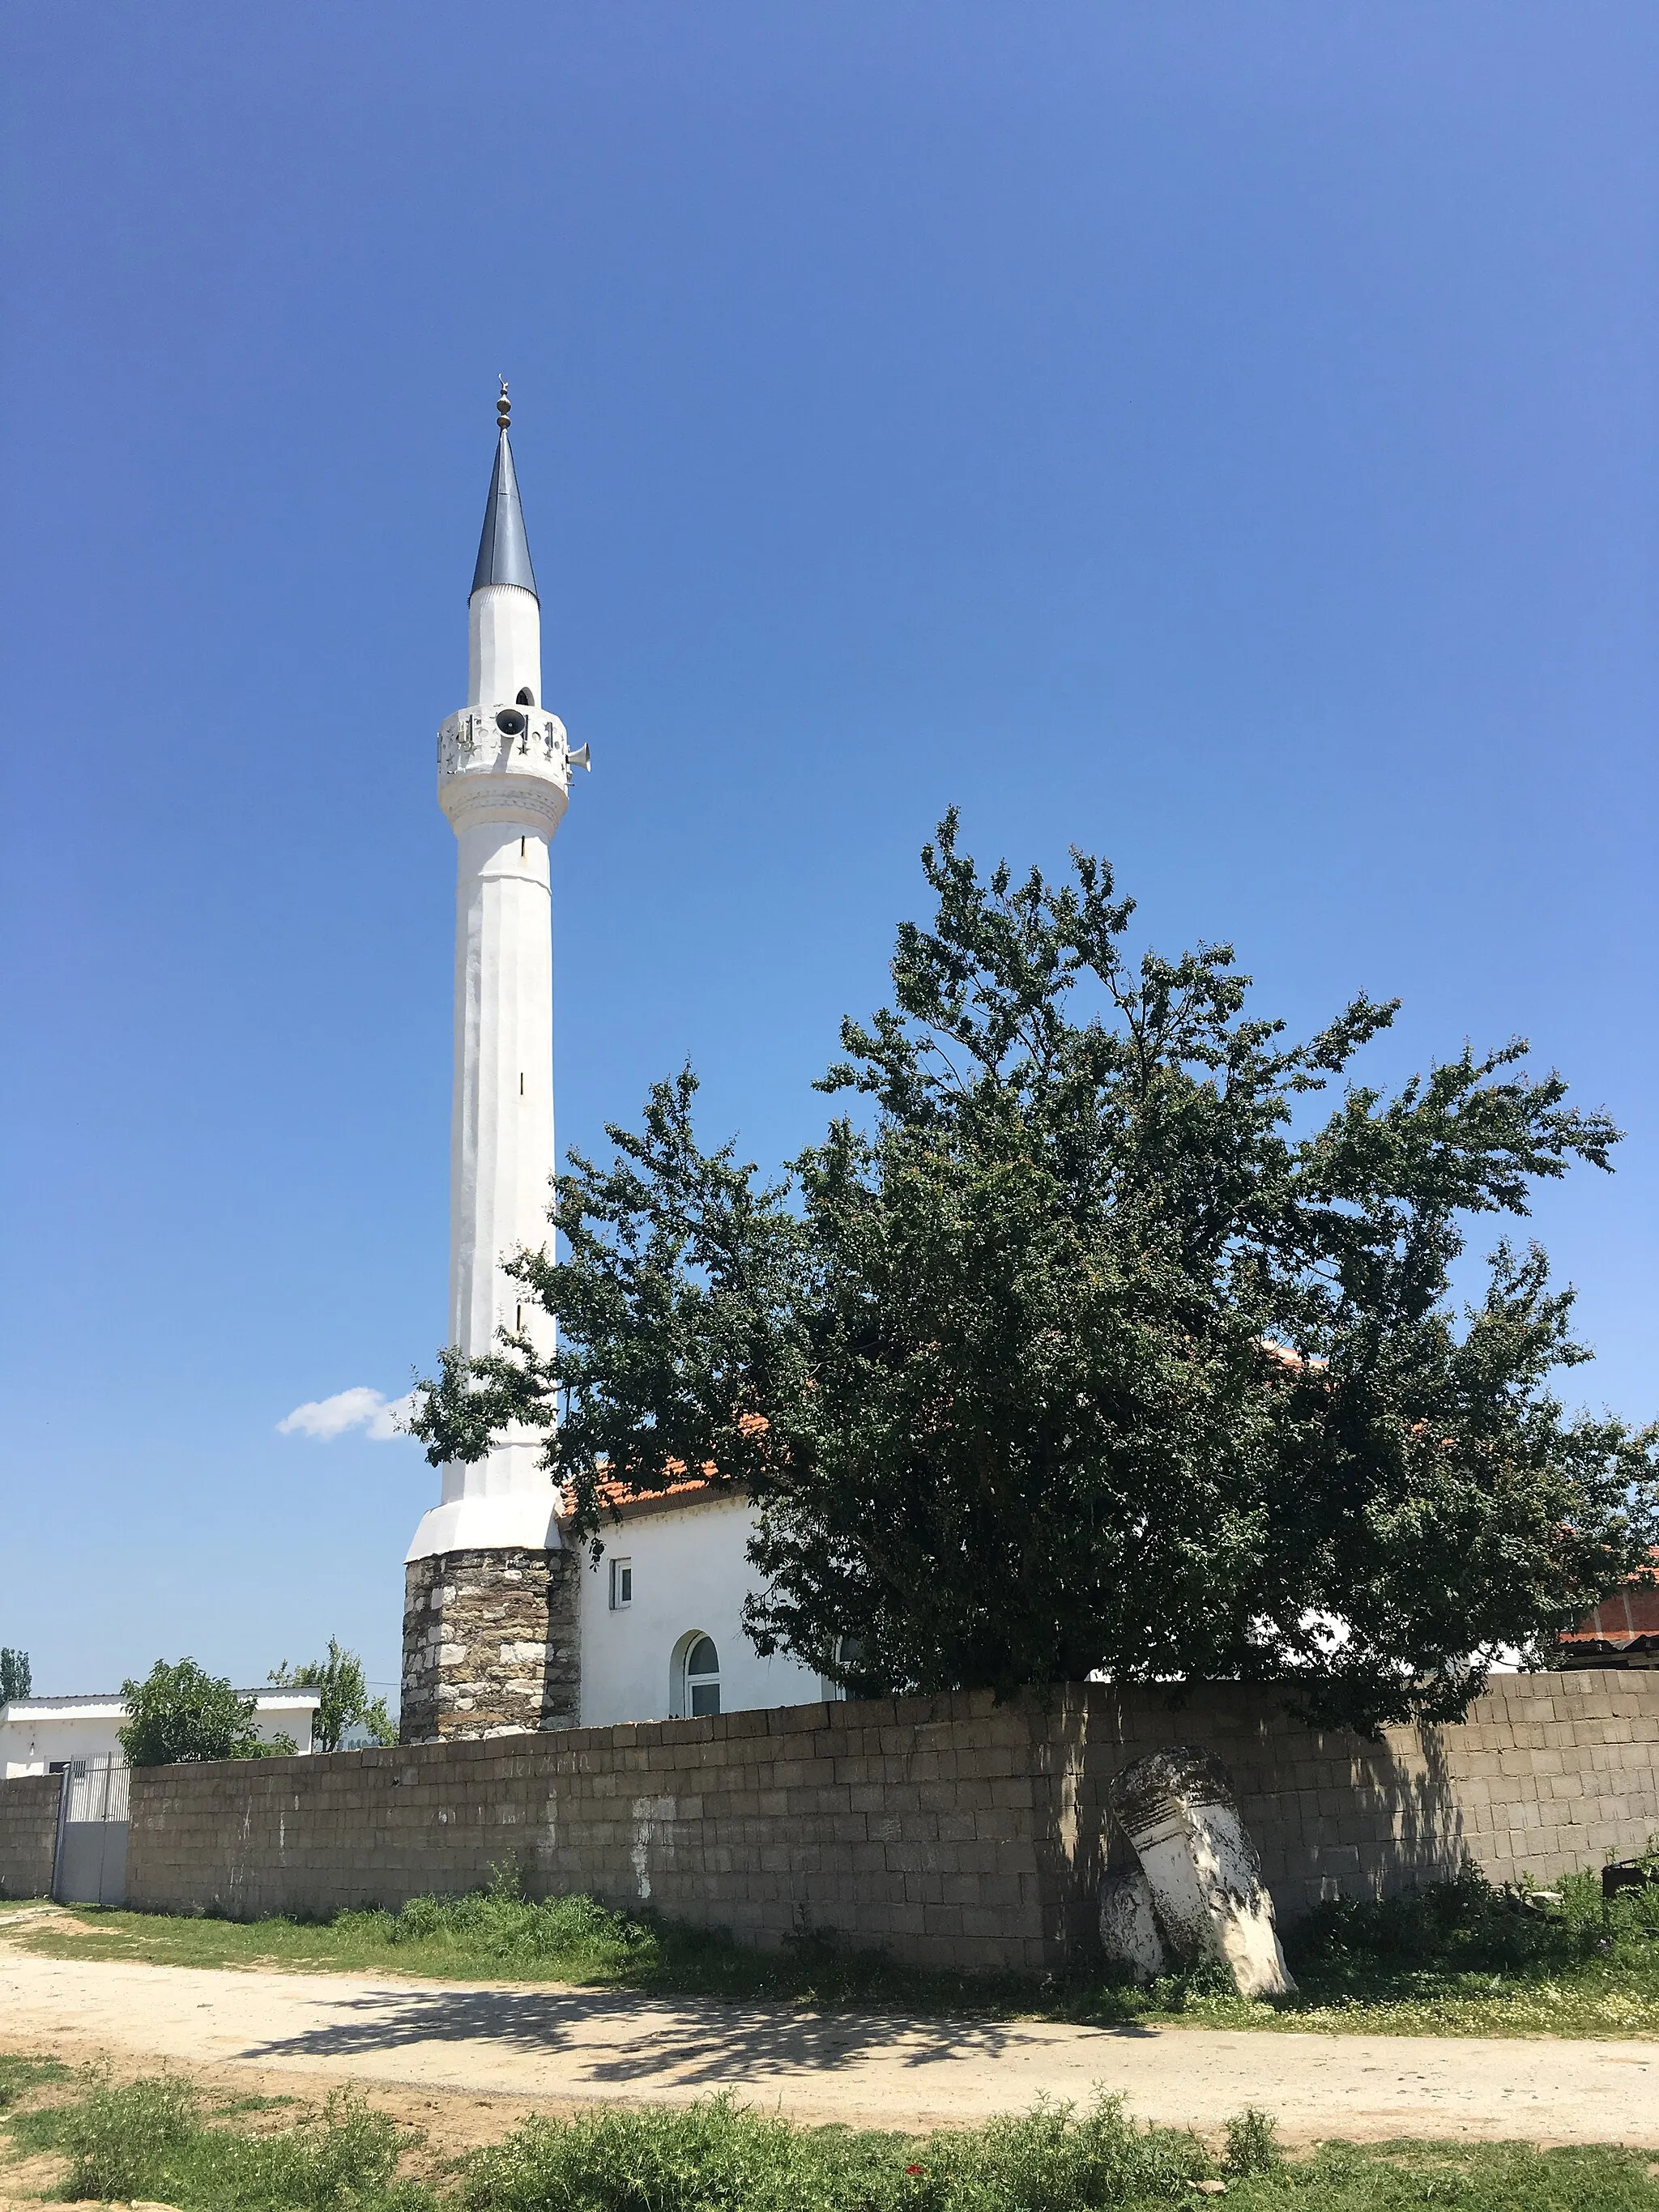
column 622, row 1585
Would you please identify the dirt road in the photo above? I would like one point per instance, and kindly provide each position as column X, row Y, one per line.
column 560, row 2046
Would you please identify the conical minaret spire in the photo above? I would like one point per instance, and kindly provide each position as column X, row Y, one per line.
column 503, row 549
column 504, row 613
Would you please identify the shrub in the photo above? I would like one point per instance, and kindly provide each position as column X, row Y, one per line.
column 344, row 2157
column 147, row 2140
column 182, row 1713
column 717, row 2157
column 1252, row 2144
column 502, row 1923
column 1462, row 1925
column 117, row 2138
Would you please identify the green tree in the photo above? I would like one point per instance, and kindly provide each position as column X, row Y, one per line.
column 16, row 1678
column 1091, row 1349
column 345, row 1703
column 180, row 1713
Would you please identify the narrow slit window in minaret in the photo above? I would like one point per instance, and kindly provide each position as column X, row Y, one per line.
column 522, row 1082
column 522, row 852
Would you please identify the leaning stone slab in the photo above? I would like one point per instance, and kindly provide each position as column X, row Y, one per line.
column 1177, row 1808
column 1128, row 1927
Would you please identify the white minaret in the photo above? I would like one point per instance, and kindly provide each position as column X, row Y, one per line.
column 504, row 781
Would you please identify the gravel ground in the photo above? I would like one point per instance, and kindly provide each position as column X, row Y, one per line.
column 555, row 2047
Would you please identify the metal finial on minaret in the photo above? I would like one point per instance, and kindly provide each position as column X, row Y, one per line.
column 503, row 549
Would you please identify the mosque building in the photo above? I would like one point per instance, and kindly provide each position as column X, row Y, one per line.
column 506, row 1625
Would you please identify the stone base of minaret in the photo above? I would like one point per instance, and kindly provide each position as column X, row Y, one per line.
column 491, row 1645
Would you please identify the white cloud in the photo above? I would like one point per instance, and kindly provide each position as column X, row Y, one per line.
column 324, row 1419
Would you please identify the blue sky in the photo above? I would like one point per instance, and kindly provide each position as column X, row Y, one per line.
column 1223, row 438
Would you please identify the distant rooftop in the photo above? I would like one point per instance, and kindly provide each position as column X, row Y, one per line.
column 111, row 1701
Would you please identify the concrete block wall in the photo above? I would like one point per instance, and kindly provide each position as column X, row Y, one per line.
column 951, row 1830
column 1549, row 1773
column 28, row 1833
column 918, row 1827
column 1554, row 1772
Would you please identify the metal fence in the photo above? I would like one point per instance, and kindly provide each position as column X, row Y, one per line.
column 92, row 1833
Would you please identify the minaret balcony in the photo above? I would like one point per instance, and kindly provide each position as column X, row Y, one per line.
column 504, row 763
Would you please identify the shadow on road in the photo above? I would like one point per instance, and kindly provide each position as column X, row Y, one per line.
column 617, row 2037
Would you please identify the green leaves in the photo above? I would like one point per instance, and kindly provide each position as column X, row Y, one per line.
column 344, row 1702
column 1083, row 1353
column 181, row 1713
column 683, row 1307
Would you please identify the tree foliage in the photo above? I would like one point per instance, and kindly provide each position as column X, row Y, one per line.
column 1089, row 1349
column 345, row 1702
column 181, row 1713
column 16, row 1677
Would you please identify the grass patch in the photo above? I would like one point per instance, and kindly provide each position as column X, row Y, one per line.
column 719, row 2156
column 150, row 2139
column 18, row 2076
column 1463, row 1957
column 1458, row 1959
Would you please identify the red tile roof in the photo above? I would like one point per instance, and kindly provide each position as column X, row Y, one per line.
column 618, row 1497
column 1625, row 1622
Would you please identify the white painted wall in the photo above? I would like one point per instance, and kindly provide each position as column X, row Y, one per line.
column 502, row 1116
column 503, row 645
column 37, row 1733
column 689, row 1574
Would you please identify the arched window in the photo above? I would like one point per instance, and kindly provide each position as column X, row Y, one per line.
column 700, row 1666
column 527, row 697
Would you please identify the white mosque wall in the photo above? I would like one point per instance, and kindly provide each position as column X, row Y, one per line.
column 689, row 1575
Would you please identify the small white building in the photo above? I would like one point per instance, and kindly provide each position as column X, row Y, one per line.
column 42, row 1735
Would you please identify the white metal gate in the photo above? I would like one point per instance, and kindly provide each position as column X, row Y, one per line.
column 92, row 1833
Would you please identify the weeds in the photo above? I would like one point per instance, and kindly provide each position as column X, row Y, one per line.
column 1466, row 1925
column 18, row 2075
column 714, row 2157
column 150, row 2139
column 717, row 2157
column 1251, row 2144
column 1463, row 1957
column 120, row 2139
column 502, row 1926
